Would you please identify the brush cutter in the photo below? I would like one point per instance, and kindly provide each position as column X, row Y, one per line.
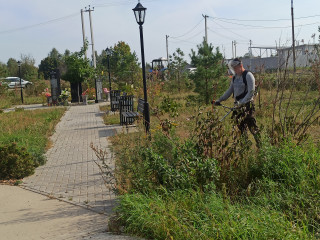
column 226, row 108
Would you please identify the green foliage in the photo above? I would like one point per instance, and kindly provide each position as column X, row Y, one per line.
column 53, row 61
column 124, row 65
column 174, row 166
column 216, row 185
column 168, row 105
column 176, row 68
column 15, row 162
column 78, row 69
column 28, row 69
column 194, row 215
column 12, row 66
column 288, row 180
column 30, row 129
column 36, row 88
column 3, row 70
column 208, row 77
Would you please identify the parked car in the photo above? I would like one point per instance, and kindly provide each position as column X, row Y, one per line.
column 13, row 82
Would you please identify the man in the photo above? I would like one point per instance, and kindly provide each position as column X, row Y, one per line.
column 242, row 87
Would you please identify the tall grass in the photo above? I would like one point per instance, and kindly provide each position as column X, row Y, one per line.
column 30, row 129
column 195, row 215
column 197, row 178
column 212, row 185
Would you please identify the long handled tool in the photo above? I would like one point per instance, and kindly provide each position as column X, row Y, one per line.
column 228, row 112
column 226, row 108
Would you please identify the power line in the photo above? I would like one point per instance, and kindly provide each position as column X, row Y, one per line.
column 114, row 3
column 224, row 36
column 40, row 24
column 231, row 31
column 189, row 30
column 119, row 3
column 264, row 20
column 266, row 27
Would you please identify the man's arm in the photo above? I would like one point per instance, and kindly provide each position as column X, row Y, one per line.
column 227, row 94
column 251, row 88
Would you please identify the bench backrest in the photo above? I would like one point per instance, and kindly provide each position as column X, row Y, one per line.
column 126, row 103
column 115, row 94
column 141, row 104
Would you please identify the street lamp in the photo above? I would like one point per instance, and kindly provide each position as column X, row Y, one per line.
column 108, row 51
column 19, row 65
column 140, row 13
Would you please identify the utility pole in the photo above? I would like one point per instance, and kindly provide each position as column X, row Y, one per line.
column 83, row 34
column 235, row 48
column 232, row 50
column 167, row 46
column 206, row 28
column 250, row 53
column 293, row 40
column 93, row 51
column 92, row 40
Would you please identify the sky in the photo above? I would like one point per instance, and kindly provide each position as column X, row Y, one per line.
column 34, row 27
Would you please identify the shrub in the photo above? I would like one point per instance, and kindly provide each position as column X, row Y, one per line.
column 168, row 105
column 15, row 162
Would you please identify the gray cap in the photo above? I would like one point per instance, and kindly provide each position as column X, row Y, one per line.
column 235, row 62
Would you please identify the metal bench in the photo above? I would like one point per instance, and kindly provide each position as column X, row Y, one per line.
column 114, row 100
column 127, row 115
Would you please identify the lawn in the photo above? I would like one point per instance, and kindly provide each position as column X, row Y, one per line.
column 30, row 129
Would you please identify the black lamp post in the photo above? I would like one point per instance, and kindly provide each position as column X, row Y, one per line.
column 108, row 51
column 140, row 13
column 19, row 65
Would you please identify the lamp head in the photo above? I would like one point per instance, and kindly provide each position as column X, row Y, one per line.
column 140, row 13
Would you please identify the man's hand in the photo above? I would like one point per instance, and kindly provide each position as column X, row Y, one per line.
column 216, row 103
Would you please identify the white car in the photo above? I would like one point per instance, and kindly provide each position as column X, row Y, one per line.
column 13, row 82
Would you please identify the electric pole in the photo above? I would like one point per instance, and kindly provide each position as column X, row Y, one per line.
column 235, row 48
column 232, row 50
column 83, row 34
column 92, row 41
column 167, row 46
column 250, row 53
column 206, row 28
column 293, row 40
column 93, row 51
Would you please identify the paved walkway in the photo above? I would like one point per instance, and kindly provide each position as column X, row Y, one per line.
column 70, row 173
column 25, row 215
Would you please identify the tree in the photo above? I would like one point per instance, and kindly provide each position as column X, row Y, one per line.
column 210, row 71
column 50, row 63
column 28, row 69
column 77, row 71
column 77, row 68
column 12, row 66
column 177, row 65
column 123, row 64
column 3, row 70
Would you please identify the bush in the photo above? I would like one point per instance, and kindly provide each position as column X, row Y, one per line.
column 15, row 162
column 171, row 164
